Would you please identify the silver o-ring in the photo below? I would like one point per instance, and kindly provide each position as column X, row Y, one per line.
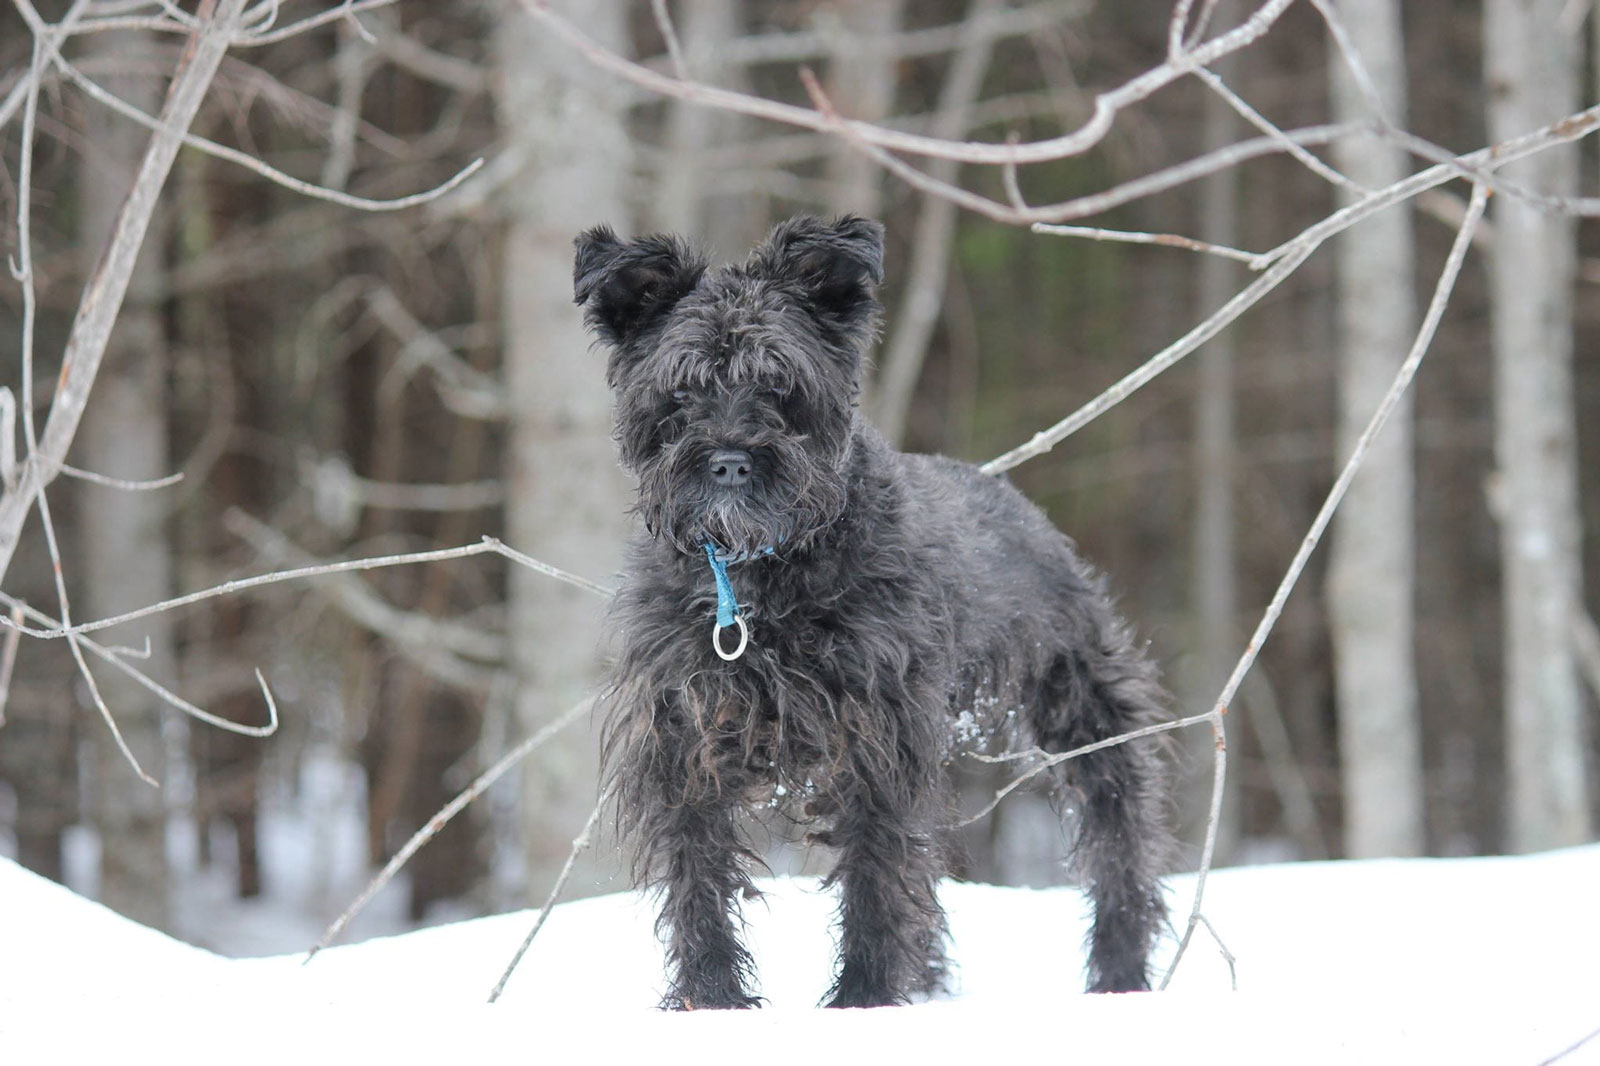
column 716, row 639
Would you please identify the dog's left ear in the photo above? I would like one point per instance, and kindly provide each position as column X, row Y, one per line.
column 837, row 262
column 625, row 285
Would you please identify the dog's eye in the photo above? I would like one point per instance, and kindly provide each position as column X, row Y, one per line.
column 780, row 391
column 680, row 395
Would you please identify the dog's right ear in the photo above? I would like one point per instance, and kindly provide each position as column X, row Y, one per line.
column 624, row 285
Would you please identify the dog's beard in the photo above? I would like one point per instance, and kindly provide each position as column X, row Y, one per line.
column 791, row 497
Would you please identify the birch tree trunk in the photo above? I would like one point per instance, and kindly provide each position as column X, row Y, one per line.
column 725, row 223
column 566, row 499
column 123, row 559
column 1532, row 70
column 861, row 83
column 1372, row 565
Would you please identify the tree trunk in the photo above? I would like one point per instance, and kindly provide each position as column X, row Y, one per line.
column 123, row 551
column 1531, row 70
column 922, row 296
column 566, row 499
column 861, row 83
column 1372, row 565
column 723, row 222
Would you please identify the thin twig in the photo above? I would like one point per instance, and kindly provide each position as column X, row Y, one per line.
column 487, row 546
column 1208, row 850
column 579, row 842
column 21, row 609
column 76, row 646
column 1168, row 240
column 1227, row 956
column 1260, row 122
column 148, row 485
column 1047, row 760
column 1353, row 63
column 415, row 632
column 442, row 817
column 668, row 33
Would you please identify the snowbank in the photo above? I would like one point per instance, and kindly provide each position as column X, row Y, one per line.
column 1416, row 961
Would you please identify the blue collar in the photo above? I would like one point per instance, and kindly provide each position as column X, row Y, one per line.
column 719, row 558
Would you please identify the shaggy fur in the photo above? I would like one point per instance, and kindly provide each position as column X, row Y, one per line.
column 888, row 597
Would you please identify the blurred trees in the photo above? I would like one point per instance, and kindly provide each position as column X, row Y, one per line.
column 340, row 383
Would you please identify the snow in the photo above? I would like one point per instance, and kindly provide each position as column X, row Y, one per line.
column 1453, row 961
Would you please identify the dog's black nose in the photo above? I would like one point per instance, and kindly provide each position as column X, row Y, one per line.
column 731, row 468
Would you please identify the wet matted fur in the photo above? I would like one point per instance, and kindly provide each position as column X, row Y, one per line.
column 888, row 597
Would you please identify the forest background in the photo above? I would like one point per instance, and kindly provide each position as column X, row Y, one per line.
column 336, row 381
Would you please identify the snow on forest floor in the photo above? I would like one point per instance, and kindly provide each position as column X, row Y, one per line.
column 1489, row 960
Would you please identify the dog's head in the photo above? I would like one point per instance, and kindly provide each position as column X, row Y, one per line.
column 734, row 388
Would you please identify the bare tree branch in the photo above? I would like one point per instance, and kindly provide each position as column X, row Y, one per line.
column 250, row 162
column 344, row 12
column 442, row 817
column 1106, row 105
column 1167, row 240
column 15, row 629
column 1296, row 251
column 1402, row 380
column 580, row 842
column 102, row 298
column 488, row 546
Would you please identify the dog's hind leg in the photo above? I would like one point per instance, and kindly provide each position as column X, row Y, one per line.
column 1093, row 694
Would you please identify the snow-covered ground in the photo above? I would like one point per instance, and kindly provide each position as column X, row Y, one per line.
column 1416, row 961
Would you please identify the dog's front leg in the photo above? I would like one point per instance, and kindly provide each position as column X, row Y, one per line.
column 701, row 875
column 892, row 928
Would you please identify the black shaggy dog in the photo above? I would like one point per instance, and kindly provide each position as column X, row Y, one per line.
column 810, row 614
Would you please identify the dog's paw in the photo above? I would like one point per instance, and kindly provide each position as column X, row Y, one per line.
column 851, row 992
column 1128, row 979
column 718, row 1000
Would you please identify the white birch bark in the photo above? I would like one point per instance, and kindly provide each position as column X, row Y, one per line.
column 861, row 84
column 1372, row 565
column 566, row 499
column 1531, row 71
column 723, row 223
column 123, row 560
